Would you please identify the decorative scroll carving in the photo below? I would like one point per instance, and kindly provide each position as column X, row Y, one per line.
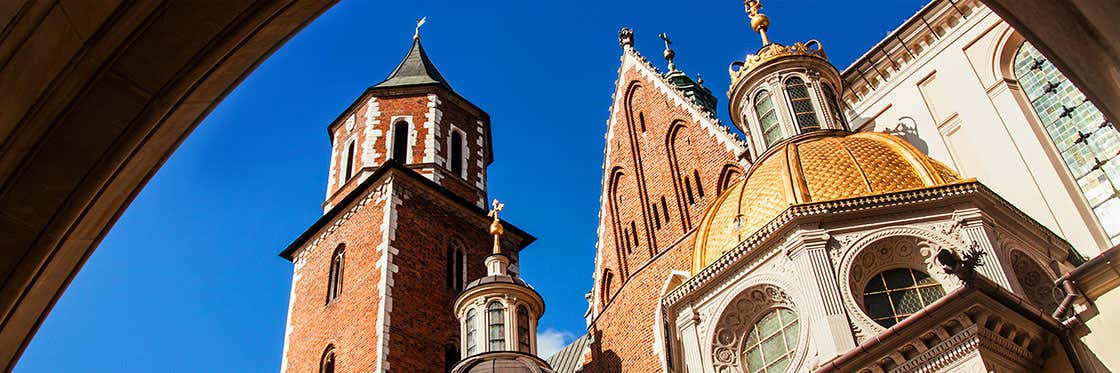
column 1036, row 283
column 738, row 318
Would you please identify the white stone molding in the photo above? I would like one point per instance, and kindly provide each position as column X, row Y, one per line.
column 370, row 156
column 466, row 156
column 887, row 248
column 737, row 315
column 432, row 124
column 388, row 268
column 391, row 138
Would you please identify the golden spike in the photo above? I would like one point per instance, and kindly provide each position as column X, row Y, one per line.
column 759, row 22
column 496, row 225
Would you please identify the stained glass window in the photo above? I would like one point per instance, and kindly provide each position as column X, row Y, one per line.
column 895, row 294
column 1086, row 140
column 767, row 118
column 771, row 342
column 801, row 104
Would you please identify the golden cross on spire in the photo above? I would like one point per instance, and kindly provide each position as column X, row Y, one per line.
column 419, row 22
column 759, row 22
column 496, row 225
column 669, row 54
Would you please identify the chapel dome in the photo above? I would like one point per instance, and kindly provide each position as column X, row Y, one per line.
column 814, row 167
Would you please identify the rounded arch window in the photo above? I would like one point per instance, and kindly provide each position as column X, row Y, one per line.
column 767, row 117
column 326, row 365
column 496, row 314
column 472, row 331
column 895, row 294
column 770, row 343
column 802, row 104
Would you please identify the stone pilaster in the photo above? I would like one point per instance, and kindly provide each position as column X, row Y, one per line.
column 808, row 248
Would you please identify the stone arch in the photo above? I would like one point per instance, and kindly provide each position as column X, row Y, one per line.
column 730, row 174
column 737, row 315
column 1035, row 282
column 682, row 167
column 620, row 234
column 883, row 249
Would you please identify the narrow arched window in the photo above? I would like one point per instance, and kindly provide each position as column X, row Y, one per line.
column 699, row 187
column 1086, row 141
column 801, row 104
column 472, row 331
column 767, row 118
column 400, row 141
column 455, row 263
column 522, row 329
column 456, row 153
column 327, row 363
column 334, row 276
column 349, row 163
column 608, row 279
column 833, row 104
column 496, row 314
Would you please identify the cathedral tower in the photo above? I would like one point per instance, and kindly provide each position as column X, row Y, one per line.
column 404, row 230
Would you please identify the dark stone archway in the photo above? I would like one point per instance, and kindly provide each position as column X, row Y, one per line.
column 94, row 96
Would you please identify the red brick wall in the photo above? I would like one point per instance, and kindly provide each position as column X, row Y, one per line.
column 348, row 322
column 422, row 322
column 653, row 164
column 416, row 106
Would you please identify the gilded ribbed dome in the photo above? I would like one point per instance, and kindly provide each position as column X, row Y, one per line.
column 821, row 166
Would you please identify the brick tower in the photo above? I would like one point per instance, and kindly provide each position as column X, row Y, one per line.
column 667, row 158
column 404, row 228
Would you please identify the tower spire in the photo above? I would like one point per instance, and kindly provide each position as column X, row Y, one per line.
column 759, row 22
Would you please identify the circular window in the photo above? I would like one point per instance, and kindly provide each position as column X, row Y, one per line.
column 895, row 294
column 771, row 342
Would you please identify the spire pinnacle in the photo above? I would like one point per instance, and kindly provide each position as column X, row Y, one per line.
column 669, row 54
column 419, row 22
column 496, row 225
column 759, row 22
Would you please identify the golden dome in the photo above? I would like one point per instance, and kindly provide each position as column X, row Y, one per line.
column 816, row 167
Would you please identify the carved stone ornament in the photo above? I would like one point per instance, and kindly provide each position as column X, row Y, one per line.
column 738, row 318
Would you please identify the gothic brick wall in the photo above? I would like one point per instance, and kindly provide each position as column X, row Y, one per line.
column 422, row 321
column 665, row 162
column 349, row 321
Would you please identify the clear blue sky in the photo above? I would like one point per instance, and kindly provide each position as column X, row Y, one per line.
column 189, row 279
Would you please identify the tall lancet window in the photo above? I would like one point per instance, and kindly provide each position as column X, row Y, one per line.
column 326, row 365
column 472, row 332
column 522, row 329
column 456, row 153
column 801, row 104
column 348, row 164
column 1085, row 139
column 400, row 141
column 833, row 104
column 496, row 315
column 767, row 118
column 334, row 277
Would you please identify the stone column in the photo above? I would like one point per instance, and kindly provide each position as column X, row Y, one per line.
column 831, row 331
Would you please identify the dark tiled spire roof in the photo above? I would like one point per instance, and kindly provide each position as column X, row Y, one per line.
column 415, row 69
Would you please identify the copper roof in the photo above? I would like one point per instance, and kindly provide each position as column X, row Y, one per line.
column 415, row 69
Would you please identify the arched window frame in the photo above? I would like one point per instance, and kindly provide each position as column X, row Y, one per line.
column 524, row 343
column 328, row 361
column 335, row 272
column 348, row 160
column 396, row 146
column 471, row 321
column 456, row 267
column 495, row 326
column 798, row 94
column 769, row 132
column 833, row 103
column 925, row 286
column 788, row 330
column 608, row 280
column 451, row 356
column 1082, row 148
column 458, row 157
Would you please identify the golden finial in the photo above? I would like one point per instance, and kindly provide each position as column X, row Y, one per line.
column 496, row 225
column 759, row 22
column 669, row 54
column 419, row 22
